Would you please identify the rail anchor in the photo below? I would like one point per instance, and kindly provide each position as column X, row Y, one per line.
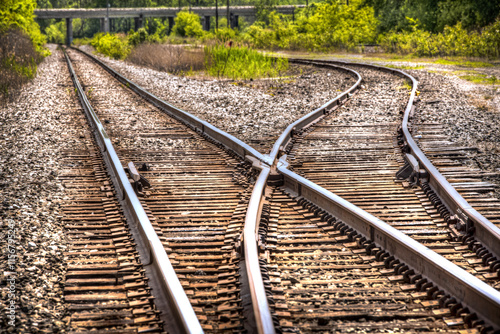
column 411, row 171
column 138, row 181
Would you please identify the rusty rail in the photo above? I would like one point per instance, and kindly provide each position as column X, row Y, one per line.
column 185, row 319
column 477, row 295
column 471, row 222
column 308, row 119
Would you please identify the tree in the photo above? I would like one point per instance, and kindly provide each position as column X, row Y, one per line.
column 187, row 25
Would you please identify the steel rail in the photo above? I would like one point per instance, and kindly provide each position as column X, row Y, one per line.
column 308, row 119
column 478, row 296
column 258, row 295
column 475, row 294
column 232, row 143
column 185, row 320
column 479, row 226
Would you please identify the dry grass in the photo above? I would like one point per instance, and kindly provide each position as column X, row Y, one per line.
column 170, row 58
column 18, row 60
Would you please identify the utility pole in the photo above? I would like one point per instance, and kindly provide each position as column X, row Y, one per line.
column 227, row 14
column 216, row 16
column 107, row 19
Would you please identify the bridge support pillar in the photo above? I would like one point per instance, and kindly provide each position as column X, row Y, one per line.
column 206, row 23
column 139, row 22
column 234, row 20
column 171, row 23
column 69, row 31
column 105, row 25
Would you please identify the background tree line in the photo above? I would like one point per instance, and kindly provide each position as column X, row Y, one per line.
column 433, row 15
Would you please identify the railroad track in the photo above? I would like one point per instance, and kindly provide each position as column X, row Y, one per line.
column 196, row 194
column 321, row 280
column 386, row 258
column 355, row 153
column 105, row 288
column 452, row 161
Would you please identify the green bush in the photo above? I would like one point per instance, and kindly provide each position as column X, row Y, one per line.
column 241, row 62
column 332, row 25
column 111, row 45
column 56, row 33
column 187, row 25
column 225, row 34
column 138, row 37
column 21, row 45
column 18, row 14
column 453, row 41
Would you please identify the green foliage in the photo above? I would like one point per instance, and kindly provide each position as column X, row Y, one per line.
column 241, row 62
column 19, row 14
column 225, row 34
column 453, row 41
column 280, row 33
column 264, row 9
column 332, row 25
column 477, row 77
column 111, row 45
column 142, row 36
column 56, row 33
column 463, row 63
column 28, row 70
column 138, row 37
column 434, row 15
column 187, row 25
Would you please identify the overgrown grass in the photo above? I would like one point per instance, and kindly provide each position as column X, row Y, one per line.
column 463, row 63
column 477, row 77
column 241, row 63
column 18, row 61
column 407, row 67
column 453, row 41
column 165, row 57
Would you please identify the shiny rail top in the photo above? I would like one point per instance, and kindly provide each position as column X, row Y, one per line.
column 308, row 119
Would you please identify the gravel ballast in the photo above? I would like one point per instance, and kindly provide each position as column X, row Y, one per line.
column 34, row 130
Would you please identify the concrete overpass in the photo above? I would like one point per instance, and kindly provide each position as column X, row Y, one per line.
column 140, row 13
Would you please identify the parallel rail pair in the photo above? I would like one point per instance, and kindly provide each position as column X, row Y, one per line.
column 479, row 297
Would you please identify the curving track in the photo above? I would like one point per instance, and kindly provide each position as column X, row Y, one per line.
column 451, row 160
column 197, row 197
column 354, row 153
column 320, row 273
